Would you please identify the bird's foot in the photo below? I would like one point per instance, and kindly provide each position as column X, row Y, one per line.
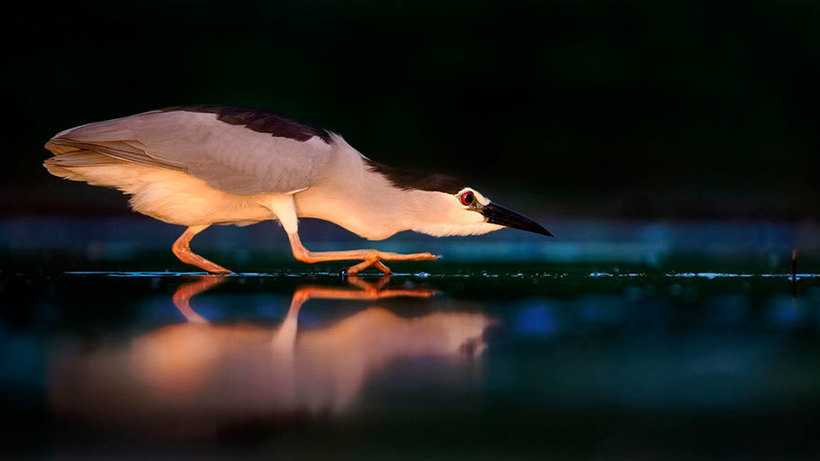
column 208, row 266
column 375, row 260
column 204, row 264
column 188, row 257
column 355, row 269
column 216, row 269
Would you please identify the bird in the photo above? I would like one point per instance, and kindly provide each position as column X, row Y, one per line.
column 204, row 165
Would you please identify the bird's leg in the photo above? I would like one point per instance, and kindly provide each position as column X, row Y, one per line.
column 284, row 207
column 368, row 257
column 182, row 250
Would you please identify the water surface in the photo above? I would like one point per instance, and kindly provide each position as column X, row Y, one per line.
column 501, row 364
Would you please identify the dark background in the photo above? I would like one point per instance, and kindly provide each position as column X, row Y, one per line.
column 648, row 109
column 651, row 338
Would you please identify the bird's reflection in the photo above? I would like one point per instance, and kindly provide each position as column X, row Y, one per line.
column 195, row 378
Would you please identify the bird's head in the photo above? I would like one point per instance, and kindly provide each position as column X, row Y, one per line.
column 468, row 212
column 443, row 205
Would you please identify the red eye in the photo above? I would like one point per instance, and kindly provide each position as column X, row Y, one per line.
column 467, row 198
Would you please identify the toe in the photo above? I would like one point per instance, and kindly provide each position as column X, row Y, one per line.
column 382, row 267
column 353, row 270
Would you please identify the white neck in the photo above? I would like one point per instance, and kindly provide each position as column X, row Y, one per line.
column 366, row 203
column 361, row 201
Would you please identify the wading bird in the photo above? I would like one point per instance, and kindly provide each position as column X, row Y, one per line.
column 202, row 165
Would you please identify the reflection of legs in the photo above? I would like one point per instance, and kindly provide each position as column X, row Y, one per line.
column 376, row 291
column 368, row 291
column 183, row 251
column 286, row 336
column 182, row 297
column 368, row 257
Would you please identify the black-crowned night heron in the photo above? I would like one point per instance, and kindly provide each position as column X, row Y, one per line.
column 203, row 165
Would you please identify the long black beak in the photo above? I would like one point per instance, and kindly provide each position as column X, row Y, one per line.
column 503, row 217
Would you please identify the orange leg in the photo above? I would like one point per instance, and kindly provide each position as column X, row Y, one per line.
column 182, row 250
column 368, row 257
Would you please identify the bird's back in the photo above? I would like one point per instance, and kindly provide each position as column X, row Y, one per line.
column 238, row 151
column 197, row 165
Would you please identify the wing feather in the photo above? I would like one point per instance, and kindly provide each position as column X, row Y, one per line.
column 228, row 155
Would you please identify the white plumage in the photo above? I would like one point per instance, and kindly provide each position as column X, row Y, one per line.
column 203, row 165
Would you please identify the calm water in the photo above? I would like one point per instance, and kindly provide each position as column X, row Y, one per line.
column 618, row 340
column 563, row 365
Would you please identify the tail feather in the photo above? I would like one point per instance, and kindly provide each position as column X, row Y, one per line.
column 82, row 158
column 63, row 165
column 119, row 150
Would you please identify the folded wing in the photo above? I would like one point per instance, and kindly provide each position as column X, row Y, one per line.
column 240, row 151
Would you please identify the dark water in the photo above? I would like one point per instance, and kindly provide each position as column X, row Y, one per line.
column 635, row 340
column 490, row 364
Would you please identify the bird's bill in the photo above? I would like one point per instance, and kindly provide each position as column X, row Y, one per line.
column 503, row 217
